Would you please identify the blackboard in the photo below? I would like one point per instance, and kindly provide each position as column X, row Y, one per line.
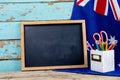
column 53, row 45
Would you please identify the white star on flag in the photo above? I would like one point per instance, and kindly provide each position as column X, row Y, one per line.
column 112, row 39
column 119, row 64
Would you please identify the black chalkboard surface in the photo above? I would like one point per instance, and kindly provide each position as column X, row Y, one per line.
column 53, row 45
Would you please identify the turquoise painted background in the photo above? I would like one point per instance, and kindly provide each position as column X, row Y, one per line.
column 12, row 13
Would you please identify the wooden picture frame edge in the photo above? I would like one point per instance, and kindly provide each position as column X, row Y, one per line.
column 23, row 68
column 22, row 46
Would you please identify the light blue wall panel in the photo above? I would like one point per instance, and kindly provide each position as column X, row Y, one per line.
column 35, row 11
column 10, row 49
column 13, row 12
column 9, row 30
column 31, row 0
column 10, row 65
column 25, row 0
column 29, row 12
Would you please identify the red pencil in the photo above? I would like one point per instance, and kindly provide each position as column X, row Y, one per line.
column 112, row 46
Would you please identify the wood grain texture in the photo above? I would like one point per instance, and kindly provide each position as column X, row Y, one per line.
column 10, row 49
column 51, row 75
column 13, row 12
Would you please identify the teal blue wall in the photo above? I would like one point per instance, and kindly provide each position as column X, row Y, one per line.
column 12, row 13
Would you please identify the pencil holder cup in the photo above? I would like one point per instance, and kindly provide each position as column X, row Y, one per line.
column 102, row 61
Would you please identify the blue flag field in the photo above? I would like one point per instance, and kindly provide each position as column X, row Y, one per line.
column 100, row 15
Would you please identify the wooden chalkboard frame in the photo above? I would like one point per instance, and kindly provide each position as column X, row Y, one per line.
column 81, row 22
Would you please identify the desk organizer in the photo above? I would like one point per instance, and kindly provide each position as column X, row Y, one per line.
column 102, row 61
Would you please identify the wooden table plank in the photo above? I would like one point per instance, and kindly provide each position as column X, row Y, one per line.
column 52, row 75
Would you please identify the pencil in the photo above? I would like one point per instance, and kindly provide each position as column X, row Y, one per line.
column 106, row 46
column 89, row 45
column 112, row 46
column 97, row 46
column 102, row 46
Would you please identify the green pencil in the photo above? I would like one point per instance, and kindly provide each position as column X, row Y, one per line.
column 101, row 45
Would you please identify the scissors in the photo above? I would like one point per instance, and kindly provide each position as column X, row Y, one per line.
column 99, row 39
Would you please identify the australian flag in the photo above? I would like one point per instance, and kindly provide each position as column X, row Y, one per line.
column 100, row 15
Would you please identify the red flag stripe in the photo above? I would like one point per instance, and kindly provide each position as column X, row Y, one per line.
column 113, row 7
column 101, row 6
column 78, row 2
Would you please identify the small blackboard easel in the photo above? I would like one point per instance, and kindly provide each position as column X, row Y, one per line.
column 53, row 44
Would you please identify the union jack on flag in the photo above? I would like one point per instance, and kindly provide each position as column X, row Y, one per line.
column 101, row 7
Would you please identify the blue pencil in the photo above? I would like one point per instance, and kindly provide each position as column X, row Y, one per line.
column 97, row 46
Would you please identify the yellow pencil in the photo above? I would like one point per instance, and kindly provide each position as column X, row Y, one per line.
column 106, row 46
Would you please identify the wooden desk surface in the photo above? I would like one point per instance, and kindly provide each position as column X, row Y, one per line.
column 51, row 75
